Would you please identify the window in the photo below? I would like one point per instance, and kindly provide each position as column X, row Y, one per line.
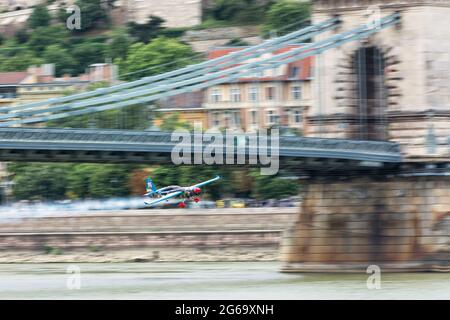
column 253, row 117
column 270, row 93
column 297, row 116
column 235, row 95
column 294, row 72
column 296, row 92
column 215, row 119
column 272, row 117
column 253, row 94
column 216, row 96
column 236, row 118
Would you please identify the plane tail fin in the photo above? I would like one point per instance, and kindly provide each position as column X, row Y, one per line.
column 149, row 185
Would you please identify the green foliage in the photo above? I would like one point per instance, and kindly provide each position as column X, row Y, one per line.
column 237, row 42
column 287, row 16
column 146, row 31
column 43, row 181
column 21, row 36
column 88, row 53
column 155, row 55
column 119, row 43
column 40, row 17
column 64, row 62
column 40, row 181
column 109, row 181
column 19, row 62
column 270, row 187
column 172, row 122
column 78, row 180
column 42, row 37
column 93, row 14
column 52, row 250
column 238, row 11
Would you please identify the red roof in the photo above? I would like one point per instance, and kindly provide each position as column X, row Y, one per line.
column 303, row 65
column 12, row 77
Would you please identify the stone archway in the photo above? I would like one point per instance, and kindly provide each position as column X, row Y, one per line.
column 367, row 110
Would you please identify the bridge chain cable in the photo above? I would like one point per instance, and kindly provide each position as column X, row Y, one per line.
column 312, row 49
column 240, row 56
column 213, row 64
column 231, row 73
column 162, row 86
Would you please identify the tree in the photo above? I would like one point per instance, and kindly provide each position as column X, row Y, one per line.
column 155, row 57
column 144, row 32
column 18, row 61
column 60, row 57
column 22, row 36
column 238, row 11
column 172, row 122
column 42, row 37
column 237, row 42
column 40, row 17
column 272, row 187
column 109, row 181
column 88, row 53
column 286, row 16
column 93, row 13
column 39, row 181
column 78, row 180
column 118, row 44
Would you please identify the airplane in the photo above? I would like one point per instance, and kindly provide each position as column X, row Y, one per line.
column 166, row 193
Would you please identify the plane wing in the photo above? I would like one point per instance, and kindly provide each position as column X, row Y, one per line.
column 166, row 197
column 152, row 192
column 205, row 182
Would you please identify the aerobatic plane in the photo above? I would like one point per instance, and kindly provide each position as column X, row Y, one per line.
column 191, row 193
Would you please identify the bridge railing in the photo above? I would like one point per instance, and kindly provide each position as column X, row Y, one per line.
column 157, row 142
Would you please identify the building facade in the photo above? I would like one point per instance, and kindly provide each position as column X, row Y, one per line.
column 280, row 97
column 39, row 83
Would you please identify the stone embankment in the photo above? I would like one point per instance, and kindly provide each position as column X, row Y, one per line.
column 250, row 234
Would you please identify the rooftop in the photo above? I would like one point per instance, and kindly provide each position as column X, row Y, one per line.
column 12, row 78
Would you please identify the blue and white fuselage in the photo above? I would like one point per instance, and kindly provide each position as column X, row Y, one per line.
column 166, row 193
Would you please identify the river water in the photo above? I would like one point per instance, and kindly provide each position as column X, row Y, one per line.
column 213, row 280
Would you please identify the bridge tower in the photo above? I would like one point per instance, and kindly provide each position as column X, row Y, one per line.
column 393, row 85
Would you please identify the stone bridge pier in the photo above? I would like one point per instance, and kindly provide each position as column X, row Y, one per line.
column 346, row 223
column 393, row 85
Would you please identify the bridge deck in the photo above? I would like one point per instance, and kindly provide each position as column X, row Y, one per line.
column 120, row 146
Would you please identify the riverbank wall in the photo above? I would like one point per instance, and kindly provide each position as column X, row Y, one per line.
column 250, row 234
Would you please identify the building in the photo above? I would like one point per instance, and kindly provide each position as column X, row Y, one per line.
column 40, row 83
column 277, row 97
column 9, row 83
column 188, row 106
